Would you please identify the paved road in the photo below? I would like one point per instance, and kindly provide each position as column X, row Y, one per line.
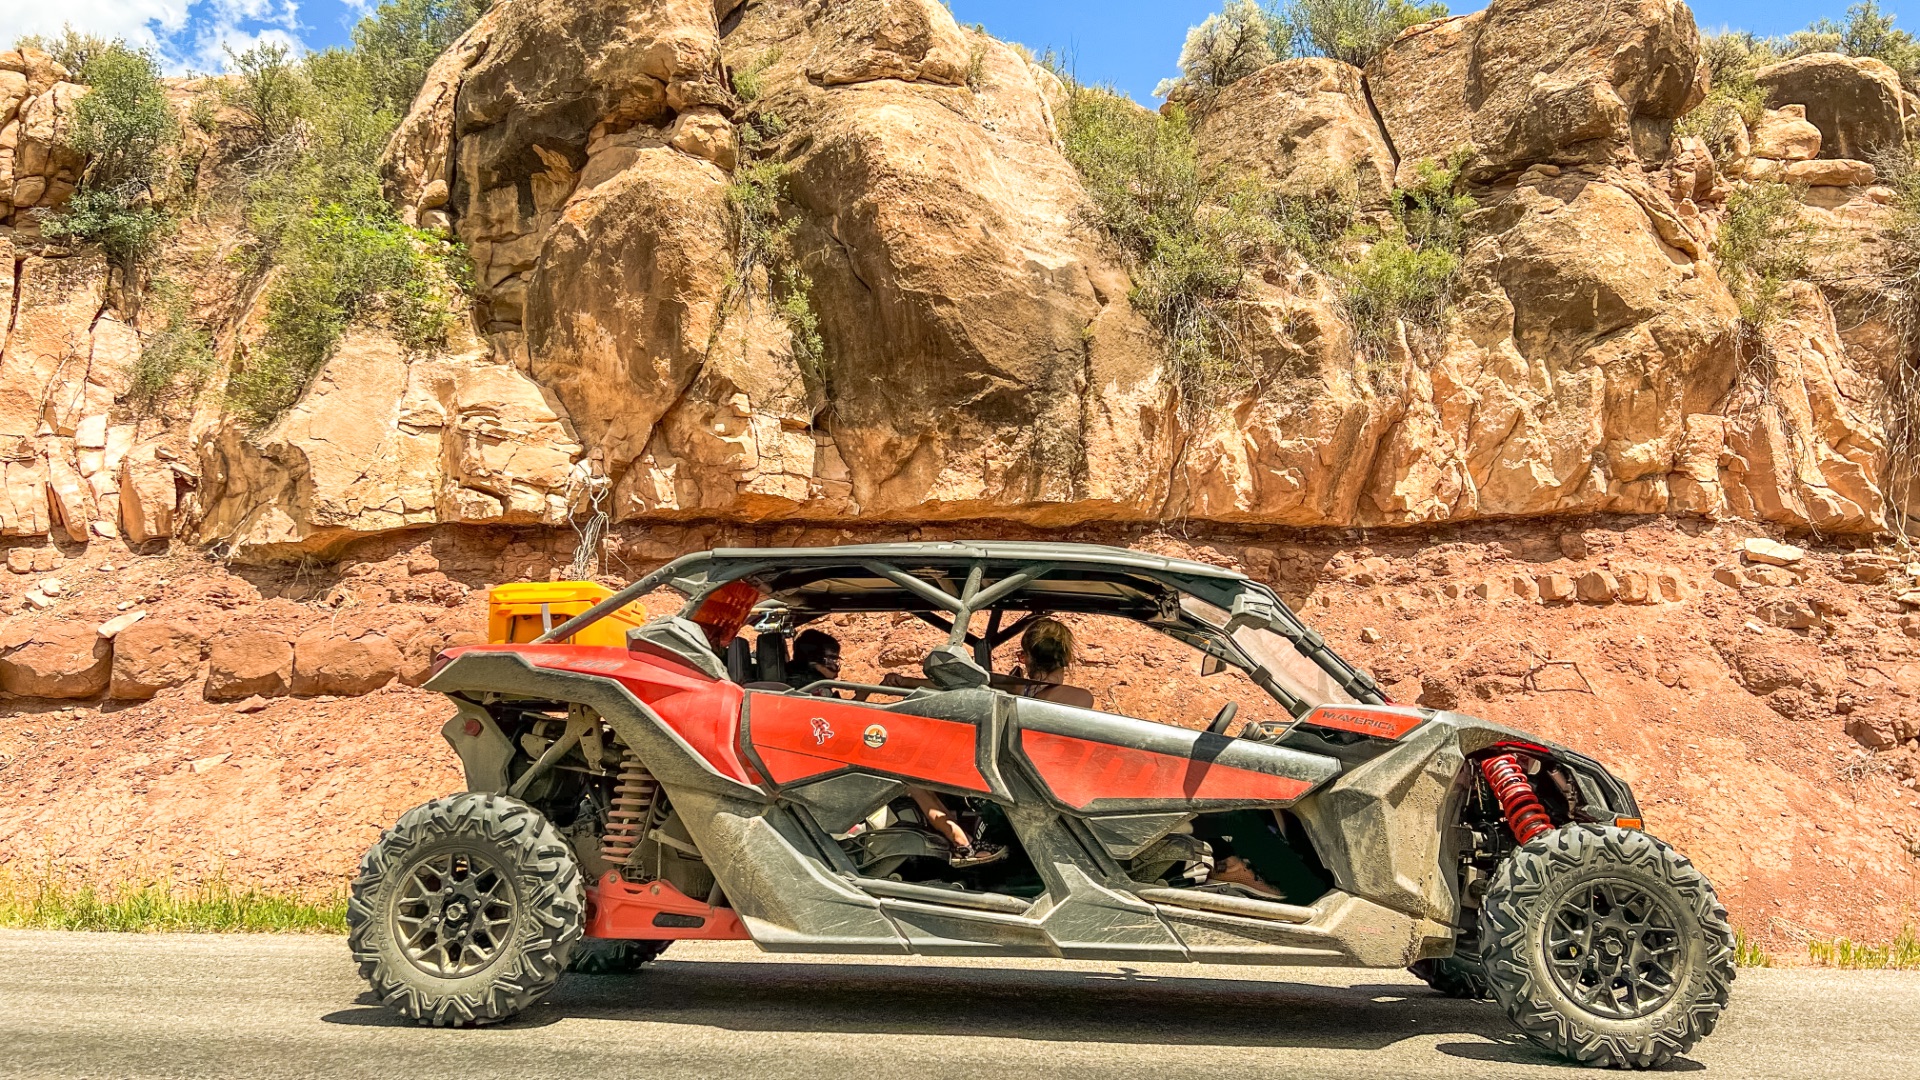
column 111, row 1006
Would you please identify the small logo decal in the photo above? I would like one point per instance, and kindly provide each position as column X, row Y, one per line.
column 876, row 736
column 822, row 731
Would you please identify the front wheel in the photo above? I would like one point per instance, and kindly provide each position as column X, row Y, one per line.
column 466, row 911
column 1607, row 947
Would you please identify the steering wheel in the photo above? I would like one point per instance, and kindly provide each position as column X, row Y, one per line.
column 1227, row 712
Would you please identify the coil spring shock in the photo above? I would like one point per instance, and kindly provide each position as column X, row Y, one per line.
column 634, row 794
column 1521, row 807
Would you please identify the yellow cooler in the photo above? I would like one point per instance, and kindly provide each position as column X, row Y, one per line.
column 525, row 610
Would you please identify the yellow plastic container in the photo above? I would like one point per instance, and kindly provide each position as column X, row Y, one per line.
column 525, row 610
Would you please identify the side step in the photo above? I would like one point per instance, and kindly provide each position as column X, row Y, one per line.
column 929, row 894
column 1222, row 904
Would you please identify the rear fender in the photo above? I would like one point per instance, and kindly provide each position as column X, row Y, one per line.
column 484, row 750
column 668, row 756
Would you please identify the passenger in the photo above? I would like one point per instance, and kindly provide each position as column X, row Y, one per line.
column 816, row 656
column 1046, row 652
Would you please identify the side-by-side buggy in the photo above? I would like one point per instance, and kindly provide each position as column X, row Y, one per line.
column 681, row 780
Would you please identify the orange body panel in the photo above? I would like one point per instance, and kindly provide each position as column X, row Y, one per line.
column 617, row 909
column 798, row 738
column 705, row 712
column 1081, row 772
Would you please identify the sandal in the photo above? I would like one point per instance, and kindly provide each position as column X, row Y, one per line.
column 976, row 855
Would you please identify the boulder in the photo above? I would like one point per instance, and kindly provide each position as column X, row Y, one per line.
column 1598, row 587
column 1830, row 172
column 1556, row 588
column 345, row 667
column 868, row 40
column 1526, row 81
column 59, row 659
column 1301, row 125
column 1785, row 135
column 152, row 656
column 248, row 663
column 1856, row 102
column 1759, row 549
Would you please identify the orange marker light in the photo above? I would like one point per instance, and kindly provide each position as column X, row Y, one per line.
column 1629, row 823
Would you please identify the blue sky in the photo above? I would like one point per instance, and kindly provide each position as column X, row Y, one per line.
column 1130, row 43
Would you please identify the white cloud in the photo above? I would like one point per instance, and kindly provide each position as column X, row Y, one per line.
column 135, row 20
column 183, row 33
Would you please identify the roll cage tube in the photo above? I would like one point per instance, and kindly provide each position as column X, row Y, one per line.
column 1249, row 602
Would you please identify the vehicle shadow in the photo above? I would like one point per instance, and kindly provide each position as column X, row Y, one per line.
column 1124, row 1006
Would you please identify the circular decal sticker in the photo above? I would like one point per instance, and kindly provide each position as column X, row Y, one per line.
column 876, row 736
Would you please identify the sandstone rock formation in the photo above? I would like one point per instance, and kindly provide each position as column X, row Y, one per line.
column 52, row 659
column 979, row 353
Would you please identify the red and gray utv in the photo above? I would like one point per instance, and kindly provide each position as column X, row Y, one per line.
column 683, row 784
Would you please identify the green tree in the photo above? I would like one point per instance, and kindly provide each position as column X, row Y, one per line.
column 70, row 48
column 401, row 40
column 127, row 131
column 1225, row 48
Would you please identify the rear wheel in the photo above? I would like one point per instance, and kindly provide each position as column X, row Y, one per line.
column 466, row 911
column 1607, row 947
column 606, row 956
column 1462, row 975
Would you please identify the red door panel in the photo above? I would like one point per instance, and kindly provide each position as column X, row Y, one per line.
column 1081, row 772
column 798, row 738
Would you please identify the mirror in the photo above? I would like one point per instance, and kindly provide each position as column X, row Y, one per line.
column 1211, row 665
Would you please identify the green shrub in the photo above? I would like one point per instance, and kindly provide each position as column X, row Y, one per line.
column 765, row 245
column 1897, row 285
column 750, row 82
column 176, row 358
column 1223, row 49
column 128, row 132
column 1764, row 245
column 346, row 263
column 1731, row 59
column 1406, row 276
column 267, row 87
column 1188, row 238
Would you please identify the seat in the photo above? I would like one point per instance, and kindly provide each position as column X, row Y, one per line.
column 770, row 656
column 740, row 666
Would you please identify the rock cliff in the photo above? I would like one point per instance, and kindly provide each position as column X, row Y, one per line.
column 979, row 355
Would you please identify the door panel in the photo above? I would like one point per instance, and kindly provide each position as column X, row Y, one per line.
column 799, row 738
column 1101, row 763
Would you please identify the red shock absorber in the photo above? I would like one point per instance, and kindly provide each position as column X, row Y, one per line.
column 1525, row 816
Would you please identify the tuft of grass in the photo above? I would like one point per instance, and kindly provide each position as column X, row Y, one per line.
column 1747, row 953
column 52, row 902
column 1188, row 238
column 1900, row 954
column 750, row 82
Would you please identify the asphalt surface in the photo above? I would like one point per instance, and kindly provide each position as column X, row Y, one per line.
column 114, row 1006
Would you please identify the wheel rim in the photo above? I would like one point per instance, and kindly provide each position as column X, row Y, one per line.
column 454, row 915
column 1614, row 949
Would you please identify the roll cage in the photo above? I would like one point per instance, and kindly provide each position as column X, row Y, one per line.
column 1217, row 611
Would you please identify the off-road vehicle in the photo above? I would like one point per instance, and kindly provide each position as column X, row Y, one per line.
column 678, row 784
